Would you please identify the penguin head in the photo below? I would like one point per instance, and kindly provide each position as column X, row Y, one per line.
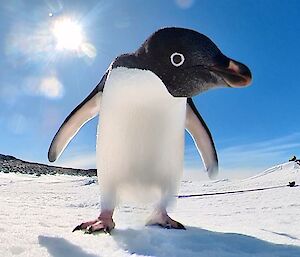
column 188, row 62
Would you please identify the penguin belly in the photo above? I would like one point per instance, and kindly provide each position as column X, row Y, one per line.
column 140, row 138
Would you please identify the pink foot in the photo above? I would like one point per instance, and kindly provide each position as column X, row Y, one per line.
column 162, row 219
column 104, row 223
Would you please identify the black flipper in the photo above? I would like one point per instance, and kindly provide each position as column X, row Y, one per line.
column 85, row 111
column 201, row 135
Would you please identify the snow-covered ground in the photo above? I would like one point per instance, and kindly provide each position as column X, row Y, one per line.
column 37, row 215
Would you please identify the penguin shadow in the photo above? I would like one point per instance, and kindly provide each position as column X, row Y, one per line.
column 197, row 242
column 60, row 247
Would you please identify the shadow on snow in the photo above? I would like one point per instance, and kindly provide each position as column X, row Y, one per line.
column 60, row 247
column 196, row 242
column 193, row 242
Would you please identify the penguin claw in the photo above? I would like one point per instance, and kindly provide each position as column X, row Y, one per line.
column 175, row 225
column 180, row 226
column 96, row 226
column 77, row 228
column 164, row 221
column 102, row 226
column 84, row 225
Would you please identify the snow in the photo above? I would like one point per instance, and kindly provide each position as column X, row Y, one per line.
column 37, row 215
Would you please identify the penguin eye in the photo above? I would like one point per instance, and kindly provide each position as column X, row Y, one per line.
column 177, row 59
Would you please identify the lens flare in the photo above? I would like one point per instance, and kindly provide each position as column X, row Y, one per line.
column 47, row 41
column 68, row 34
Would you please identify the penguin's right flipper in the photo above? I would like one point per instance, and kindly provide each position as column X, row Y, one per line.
column 85, row 111
column 202, row 138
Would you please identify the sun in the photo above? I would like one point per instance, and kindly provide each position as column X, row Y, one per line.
column 68, row 34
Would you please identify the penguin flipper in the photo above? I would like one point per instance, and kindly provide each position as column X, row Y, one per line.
column 84, row 112
column 201, row 135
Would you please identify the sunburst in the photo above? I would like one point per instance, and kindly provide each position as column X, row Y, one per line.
column 68, row 34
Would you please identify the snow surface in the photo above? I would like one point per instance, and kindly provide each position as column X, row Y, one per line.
column 37, row 215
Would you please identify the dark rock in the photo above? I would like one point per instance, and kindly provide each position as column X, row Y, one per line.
column 292, row 184
column 11, row 164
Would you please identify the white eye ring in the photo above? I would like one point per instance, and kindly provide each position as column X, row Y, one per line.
column 181, row 59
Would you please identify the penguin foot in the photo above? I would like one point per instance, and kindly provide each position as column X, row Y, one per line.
column 85, row 225
column 104, row 223
column 105, row 226
column 98, row 225
column 163, row 220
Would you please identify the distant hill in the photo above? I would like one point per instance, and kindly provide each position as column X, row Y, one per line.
column 11, row 164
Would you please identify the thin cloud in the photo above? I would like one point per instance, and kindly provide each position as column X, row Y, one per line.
column 282, row 147
column 271, row 145
column 17, row 123
column 256, row 157
column 51, row 87
column 48, row 86
column 184, row 4
column 248, row 159
column 9, row 94
column 82, row 161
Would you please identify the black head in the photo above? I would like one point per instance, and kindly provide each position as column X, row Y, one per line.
column 187, row 62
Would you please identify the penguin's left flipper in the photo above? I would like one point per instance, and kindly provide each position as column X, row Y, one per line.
column 85, row 111
column 201, row 135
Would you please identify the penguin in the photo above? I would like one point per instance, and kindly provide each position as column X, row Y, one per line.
column 144, row 101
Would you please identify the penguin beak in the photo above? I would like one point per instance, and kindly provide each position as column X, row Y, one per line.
column 235, row 75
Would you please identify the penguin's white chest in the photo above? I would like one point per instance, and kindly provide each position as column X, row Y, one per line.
column 141, row 133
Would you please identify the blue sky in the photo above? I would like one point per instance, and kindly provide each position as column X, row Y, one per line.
column 253, row 128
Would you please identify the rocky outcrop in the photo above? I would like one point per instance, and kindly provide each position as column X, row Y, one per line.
column 11, row 164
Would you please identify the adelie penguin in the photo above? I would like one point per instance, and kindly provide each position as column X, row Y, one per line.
column 145, row 103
